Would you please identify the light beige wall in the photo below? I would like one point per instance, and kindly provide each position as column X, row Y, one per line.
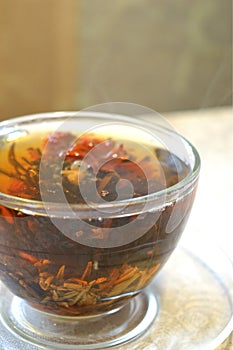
column 38, row 58
column 70, row 54
column 165, row 54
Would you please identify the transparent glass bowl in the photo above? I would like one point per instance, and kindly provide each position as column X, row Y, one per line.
column 65, row 282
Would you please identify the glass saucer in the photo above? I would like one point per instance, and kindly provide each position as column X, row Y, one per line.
column 194, row 292
column 195, row 297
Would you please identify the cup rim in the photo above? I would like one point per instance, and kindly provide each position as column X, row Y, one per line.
column 38, row 206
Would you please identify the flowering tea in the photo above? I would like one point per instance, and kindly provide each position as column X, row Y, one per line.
column 58, row 274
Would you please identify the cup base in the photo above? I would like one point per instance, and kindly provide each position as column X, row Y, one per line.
column 101, row 331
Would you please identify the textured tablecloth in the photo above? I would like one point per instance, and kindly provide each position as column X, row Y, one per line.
column 211, row 131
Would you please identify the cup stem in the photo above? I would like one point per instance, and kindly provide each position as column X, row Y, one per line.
column 40, row 329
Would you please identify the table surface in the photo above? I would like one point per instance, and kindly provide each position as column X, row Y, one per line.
column 211, row 131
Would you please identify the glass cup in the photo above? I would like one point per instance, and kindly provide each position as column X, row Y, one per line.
column 76, row 274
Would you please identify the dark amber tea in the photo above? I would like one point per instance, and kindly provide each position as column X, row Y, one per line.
column 92, row 205
column 56, row 272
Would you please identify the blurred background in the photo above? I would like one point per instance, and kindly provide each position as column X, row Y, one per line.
column 71, row 54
